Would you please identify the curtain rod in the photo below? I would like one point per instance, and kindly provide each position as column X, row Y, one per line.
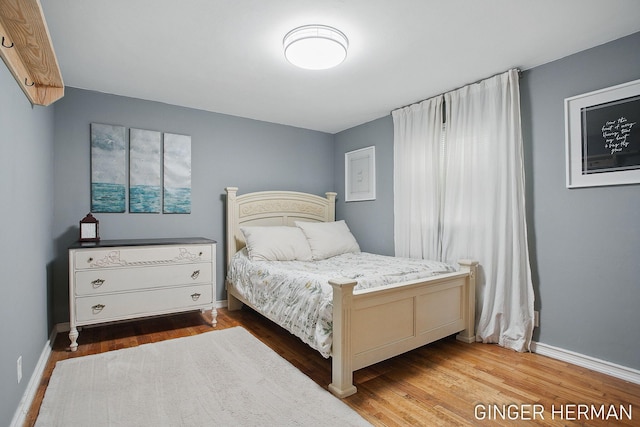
column 460, row 87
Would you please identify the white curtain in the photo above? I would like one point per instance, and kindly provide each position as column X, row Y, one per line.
column 417, row 168
column 482, row 208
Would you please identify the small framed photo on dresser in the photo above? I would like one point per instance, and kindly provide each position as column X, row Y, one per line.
column 89, row 229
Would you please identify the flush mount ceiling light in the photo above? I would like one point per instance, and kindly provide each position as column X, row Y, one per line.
column 315, row 47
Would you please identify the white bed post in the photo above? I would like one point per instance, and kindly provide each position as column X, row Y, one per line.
column 232, row 216
column 331, row 197
column 342, row 352
column 233, row 303
column 468, row 335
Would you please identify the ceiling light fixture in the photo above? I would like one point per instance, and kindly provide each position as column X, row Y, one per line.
column 315, row 47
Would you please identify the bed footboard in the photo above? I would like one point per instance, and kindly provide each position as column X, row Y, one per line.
column 369, row 325
column 470, row 267
column 372, row 325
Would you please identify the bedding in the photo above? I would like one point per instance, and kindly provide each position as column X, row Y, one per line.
column 327, row 239
column 276, row 243
column 296, row 294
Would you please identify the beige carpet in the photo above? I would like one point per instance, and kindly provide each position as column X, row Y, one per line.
column 220, row 378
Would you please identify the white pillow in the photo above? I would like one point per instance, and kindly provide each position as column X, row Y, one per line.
column 276, row 243
column 328, row 239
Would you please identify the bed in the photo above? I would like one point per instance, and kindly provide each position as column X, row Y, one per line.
column 366, row 325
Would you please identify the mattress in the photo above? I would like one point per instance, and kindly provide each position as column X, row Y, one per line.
column 297, row 295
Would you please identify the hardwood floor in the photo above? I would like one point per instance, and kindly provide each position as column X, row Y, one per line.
column 446, row 383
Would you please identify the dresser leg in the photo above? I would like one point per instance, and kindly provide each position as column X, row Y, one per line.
column 214, row 317
column 73, row 336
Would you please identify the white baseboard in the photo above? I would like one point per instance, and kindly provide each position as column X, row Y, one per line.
column 34, row 382
column 598, row 365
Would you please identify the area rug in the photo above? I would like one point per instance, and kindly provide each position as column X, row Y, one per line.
column 219, row 378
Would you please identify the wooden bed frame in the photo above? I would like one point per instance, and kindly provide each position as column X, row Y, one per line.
column 369, row 325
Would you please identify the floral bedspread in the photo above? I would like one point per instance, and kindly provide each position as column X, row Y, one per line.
column 297, row 295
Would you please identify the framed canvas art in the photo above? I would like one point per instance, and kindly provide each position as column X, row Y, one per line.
column 145, row 186
column 603, row 137
column 108, row 168
column 360, row 174
column 177, row 173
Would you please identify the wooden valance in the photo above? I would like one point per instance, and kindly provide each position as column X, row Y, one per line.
column 28, row 52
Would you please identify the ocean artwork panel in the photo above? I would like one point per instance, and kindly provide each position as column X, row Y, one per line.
column 108, row 168
column 145, row 186
column 177, row 174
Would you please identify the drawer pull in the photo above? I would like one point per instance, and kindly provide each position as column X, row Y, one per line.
column 90, row 259
column 195, row 274
column 195, row 296
column 97, row 283
column 200, row 254
column 97, row 308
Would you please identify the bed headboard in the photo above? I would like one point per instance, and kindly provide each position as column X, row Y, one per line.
column 272, row 208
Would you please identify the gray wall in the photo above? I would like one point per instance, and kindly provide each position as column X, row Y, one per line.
column 226, row 151
column 584, row 243
column 26, row 252
column 370, row 221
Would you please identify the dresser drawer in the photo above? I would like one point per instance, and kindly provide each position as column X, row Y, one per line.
column 142, row 256
column 94, row 281
column 100, row 308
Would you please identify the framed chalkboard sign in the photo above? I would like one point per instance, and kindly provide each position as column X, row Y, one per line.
column 603, row 136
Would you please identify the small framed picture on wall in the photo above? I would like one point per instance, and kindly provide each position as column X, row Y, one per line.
column 603, row 137
column 360, row 174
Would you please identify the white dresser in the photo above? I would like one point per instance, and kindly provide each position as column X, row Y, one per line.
column 127, row 279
